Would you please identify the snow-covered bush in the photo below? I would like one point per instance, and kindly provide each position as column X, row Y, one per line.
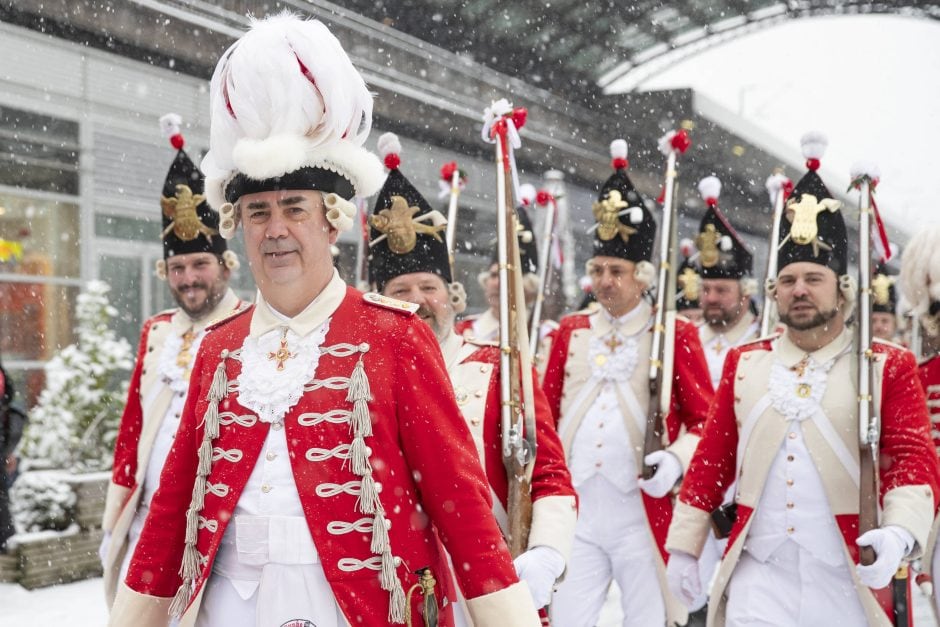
column 41, row 500
column 74, row 425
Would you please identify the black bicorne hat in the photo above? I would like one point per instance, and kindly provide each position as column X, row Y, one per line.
column 405, row 234
column 722, row 254
column 813, row 228
column 623, row 227
column 525, row 234
column 884, row 295
column 189, row 225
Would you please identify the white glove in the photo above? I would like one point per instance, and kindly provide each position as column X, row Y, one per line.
column 540, row 567
column 890, row 544
column 668, row 472
column 105, row 545
column 682, row 577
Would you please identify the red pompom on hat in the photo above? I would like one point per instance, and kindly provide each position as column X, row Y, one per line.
column 171, row 125
column 389, row 150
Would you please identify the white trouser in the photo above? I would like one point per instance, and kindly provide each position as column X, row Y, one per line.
column 935, row 574
column 708, row 563
column 612, row 541
column 268, row 573
column 133, row 535
column 792, row 588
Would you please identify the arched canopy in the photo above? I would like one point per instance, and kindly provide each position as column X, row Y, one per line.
column 595, row 45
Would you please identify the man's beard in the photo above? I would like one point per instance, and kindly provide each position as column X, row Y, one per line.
column 214, row 293
column 723, row 318
column 818, row 320
column 441, row 327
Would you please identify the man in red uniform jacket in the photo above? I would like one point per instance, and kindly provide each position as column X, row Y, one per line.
column 598, row 387
column 784, row 426
column 321, row 458
column 420, row 273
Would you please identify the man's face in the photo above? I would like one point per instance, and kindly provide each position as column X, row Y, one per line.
column 723, row 303
column 491, row 287
column 287, row 237
column 429, row 292
column 883, row 325
column 197, row 281
column 807, row 295
column 614, row 284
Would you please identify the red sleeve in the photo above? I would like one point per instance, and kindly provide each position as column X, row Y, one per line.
column 692, row 387
column 907, row 455
column 554, row 379
column 124, row 468
column 550, row 477
column 164, row 534
column 712, row 468
column 440, row 451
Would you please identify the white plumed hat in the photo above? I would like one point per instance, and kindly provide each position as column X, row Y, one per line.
column 286, row 100
column 920, row 269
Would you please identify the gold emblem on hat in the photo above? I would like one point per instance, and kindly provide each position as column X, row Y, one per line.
column 881, row 289
column 184, row 219
column 398, row 224
column 803, row 227
column 689, row 282
column 707, row 243
column 607, row 214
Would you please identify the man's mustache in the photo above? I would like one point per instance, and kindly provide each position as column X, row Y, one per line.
column 194, row 285
column 269, row 246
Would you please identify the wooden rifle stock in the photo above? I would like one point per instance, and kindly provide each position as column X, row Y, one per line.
column 517, row 405
column 662, row 347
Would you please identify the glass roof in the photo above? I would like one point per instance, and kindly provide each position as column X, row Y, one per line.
column 565, row 45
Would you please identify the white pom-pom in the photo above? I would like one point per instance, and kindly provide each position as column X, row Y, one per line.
column 585, row 284
column 170, row 124
column 814, row 145
column 725, row 243
column 389, row 144
column 710, row 188
column 636, row 215
column 865, row 168
column 645, row 273
column 618, row 149
column 527, row 194
column 686, row 247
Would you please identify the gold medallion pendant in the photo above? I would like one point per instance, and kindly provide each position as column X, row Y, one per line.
column 600, row 360
column 803, row 390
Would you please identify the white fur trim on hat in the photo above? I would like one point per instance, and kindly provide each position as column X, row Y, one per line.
column 814, row 144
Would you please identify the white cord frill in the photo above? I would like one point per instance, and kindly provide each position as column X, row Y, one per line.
column 270, row 392
column 172, row 373
column 785, row 384
column 612, row 365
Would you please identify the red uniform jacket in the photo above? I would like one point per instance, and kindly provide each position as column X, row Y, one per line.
column 421, row 455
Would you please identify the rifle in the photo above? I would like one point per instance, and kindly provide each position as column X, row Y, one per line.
column 779, row 187
column 869, row 423
column 517, row 408
column 451, row 232
column 544, row 267
column 662, row 348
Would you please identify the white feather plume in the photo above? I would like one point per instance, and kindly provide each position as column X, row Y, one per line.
column 170, row 124
column 709, row 187
column 618, row 149
column 389, row 144
column 920, row 269
column 687, row 247
column 813, row 144
column 288, row 77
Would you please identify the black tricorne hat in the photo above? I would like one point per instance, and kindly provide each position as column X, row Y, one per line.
column 884, row 295
column 624, row 227
column 405, row 234
column 525, row 233
column 189, row 225
column 722, row 253
column 813, row 229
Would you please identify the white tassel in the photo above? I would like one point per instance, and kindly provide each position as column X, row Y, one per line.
column 199, row 493
column 211, row 420
column 368, row 494
column 397, row 602
column 358, row 456
column 359, row 384
column 205, row 458
column 387, row 574
column 219, row 387
column 181, row 599
column 190, row 562
column 192, row 521
column 360, row 423
column 379, row 534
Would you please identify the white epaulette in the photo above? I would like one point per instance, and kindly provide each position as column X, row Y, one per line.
column 389, row 303
column 889, row 343
column 765, row 338
column 480, row 343
column 242, row 308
